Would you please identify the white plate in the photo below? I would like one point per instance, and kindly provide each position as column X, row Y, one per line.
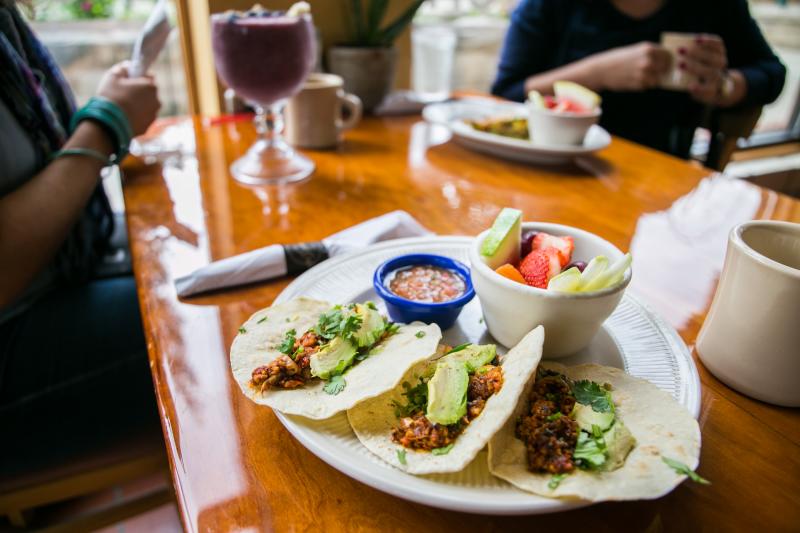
column 633, row 338
column 456, row 114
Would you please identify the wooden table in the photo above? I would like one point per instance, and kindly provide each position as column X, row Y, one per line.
column 236, row 468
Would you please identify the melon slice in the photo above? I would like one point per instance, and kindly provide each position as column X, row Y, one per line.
column 577, row 93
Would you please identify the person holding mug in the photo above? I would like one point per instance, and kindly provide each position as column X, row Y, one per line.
column 613, row 47
column 69, row 342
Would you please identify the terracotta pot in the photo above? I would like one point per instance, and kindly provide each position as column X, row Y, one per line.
column 368, row 72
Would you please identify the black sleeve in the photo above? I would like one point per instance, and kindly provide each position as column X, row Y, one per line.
column 530, row 38
column 749, row 53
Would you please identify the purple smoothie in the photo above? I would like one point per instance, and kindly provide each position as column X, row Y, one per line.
column 263, row 58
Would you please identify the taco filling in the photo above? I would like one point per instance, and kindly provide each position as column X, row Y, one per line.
column 451, row 394
column 343, row 336
column 570, row 425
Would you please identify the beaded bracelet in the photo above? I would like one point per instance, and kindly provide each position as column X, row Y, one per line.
column 109, row 116
column 87, row 152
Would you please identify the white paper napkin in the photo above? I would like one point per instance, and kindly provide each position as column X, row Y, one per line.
column 151, row 41
column 278, row 260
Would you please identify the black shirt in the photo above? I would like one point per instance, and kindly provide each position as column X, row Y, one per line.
column 546, row 34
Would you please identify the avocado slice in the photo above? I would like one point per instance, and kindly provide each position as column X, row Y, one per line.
column 447, row 393
column 619, row 443
column 586, row 417
column 333, row 358
column 372, row 326
column 474, row 356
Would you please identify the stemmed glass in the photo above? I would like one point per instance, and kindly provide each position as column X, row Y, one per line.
column 265, row 56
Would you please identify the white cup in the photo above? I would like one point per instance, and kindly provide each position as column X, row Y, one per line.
column 751, row 337
column 314, row 115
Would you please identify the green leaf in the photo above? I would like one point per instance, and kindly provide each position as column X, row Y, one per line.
column 242, row 330
column 371, row 305
column 393, row 30
column 335, row 385
column 358, row 20
column 420, row 334
column 555, row 481
column 349, row 326
column 554, row 416
column 590, row 393
column 459, row 348
column 375, row 13
column 444, row 450
column 416, row 399
column 262, row 320
column 392, row 328
column 287, row 346
column 401, row 456
column 683, row 469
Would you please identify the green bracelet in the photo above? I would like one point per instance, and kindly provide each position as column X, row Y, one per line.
column 111, row 118
column 87, row 152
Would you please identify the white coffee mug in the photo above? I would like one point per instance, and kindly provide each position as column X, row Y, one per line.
column 314, row 115
column 751, row 337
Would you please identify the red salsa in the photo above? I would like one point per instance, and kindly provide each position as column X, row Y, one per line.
column 426, row 283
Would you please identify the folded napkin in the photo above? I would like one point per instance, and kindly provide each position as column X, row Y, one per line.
column 278, row 259
column 151, row 40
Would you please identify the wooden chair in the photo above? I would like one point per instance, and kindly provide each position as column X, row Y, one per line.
column 92, row 471
column 727, row 126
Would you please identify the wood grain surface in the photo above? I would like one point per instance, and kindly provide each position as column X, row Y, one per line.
column 234, row 466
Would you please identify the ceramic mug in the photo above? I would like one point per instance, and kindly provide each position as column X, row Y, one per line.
column 751, row 337
column 314, row 115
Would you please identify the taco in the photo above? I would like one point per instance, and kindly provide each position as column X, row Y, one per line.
column 314, row 359
column 448, row 408
column 595, row 433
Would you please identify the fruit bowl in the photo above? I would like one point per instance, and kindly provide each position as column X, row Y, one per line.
column 511, row 309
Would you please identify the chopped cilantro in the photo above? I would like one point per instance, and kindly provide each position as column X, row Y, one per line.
column 590, row 393
column 287, row 346
column 555, row 481
column 401, row 456
column 420, row 334
column 288, row 319
column 683, row 469
column 361, row 356
column 371, row 306
column 337, row 322
column 335, row 385
column 262, row 320
column 554, row 416
column 480, row 321
column 242, row 330
column 416, row 399
column 349, row 326
column 392, row 328
column 444, row 450
column 458, row 348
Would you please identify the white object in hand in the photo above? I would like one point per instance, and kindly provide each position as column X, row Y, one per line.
column 270, row 262
column 150, row 41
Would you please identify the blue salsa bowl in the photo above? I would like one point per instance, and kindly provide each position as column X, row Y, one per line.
column 403, row 310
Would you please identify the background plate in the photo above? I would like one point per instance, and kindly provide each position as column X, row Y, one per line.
column 633, row 339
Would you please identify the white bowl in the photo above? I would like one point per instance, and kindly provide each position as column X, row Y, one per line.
column 548, row 127
column 511, row 309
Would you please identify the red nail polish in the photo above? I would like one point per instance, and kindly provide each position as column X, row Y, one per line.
column 682, row 65
column 682, row 50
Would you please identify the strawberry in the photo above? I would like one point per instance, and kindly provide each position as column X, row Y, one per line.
column 539, row 266
column 564, row 246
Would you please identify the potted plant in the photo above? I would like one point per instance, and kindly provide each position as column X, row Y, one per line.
column 367, row 60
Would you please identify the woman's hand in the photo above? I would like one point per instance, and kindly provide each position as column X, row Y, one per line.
column 635, row 67
column 138, row 97
column 706, row 59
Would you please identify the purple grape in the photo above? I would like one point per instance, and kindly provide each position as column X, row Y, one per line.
column 526, row 245
column 580, row 265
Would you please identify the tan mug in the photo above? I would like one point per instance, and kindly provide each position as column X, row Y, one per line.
column 314, row 115
column 751, row 337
